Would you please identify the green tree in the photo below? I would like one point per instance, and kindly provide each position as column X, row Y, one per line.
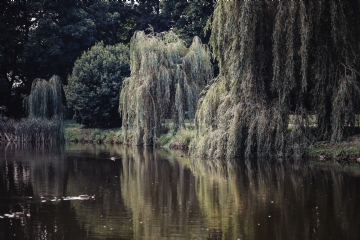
column 114, row 21
column 45, row 111
column 165, row 83
column 63, row 30
column 45, row 99
column 278, row 59
column 93, row 87
column 145, row 13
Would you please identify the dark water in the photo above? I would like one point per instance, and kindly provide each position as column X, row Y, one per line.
column 147, row 194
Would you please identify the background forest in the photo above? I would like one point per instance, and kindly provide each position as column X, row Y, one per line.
column 288, row 71
column 41, row 38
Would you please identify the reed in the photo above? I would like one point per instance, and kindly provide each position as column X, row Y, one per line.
column 7, row 129
column 31, row 129
column 39, row 130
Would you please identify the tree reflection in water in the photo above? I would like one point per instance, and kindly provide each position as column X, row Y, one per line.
column 227, row 200
column 158, row 194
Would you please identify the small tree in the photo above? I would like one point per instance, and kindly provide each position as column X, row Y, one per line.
column 93, row 89
column 165, row 83
column 44, row 123
column 45, row 99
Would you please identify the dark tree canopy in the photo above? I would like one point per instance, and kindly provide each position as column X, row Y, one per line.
column 279, row 59
column 64, row 30
column 187, row 18
column 14, row 27
column 93, row 87
column 114, row 21
column 42, row 38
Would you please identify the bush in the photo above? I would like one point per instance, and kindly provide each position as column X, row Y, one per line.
column 94, row 85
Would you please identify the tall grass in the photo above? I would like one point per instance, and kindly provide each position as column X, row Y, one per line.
column 39, row 130
column 6, row 128
column 36, row 130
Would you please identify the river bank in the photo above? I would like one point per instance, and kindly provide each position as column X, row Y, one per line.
column 170, row 138
column 347, row 151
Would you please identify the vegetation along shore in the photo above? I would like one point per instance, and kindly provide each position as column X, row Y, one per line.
column 234, row 79
column 344, row 152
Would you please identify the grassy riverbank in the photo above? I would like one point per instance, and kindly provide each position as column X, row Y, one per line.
column 78, row 133
column 346, row 150
column 170, row 139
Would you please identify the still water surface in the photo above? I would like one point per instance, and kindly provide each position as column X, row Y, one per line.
column 77, row 192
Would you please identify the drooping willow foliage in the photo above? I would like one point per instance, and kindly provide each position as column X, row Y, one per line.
column 45, row 99
column 165, row 83
column 279, row 59
column 44, row 123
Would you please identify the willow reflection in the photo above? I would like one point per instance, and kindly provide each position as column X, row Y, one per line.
column 40, row 167
column 254, row 200
column 161, row 195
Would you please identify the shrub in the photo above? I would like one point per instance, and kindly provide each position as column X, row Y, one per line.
column 93, row 87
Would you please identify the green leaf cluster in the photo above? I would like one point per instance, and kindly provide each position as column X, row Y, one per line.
column 41, row 38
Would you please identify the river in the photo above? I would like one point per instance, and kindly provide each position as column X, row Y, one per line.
column 78, row 191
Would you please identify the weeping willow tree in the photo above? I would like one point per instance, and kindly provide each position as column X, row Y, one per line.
column 45, row 99
column 165, row 83
column 276, row 60
column 44, row 123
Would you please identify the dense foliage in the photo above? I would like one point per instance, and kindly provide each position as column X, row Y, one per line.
column 93, row 87
column 187, row 18
column 165, row 83
column 279, row 59
column 42, row 38
column 280, row 63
